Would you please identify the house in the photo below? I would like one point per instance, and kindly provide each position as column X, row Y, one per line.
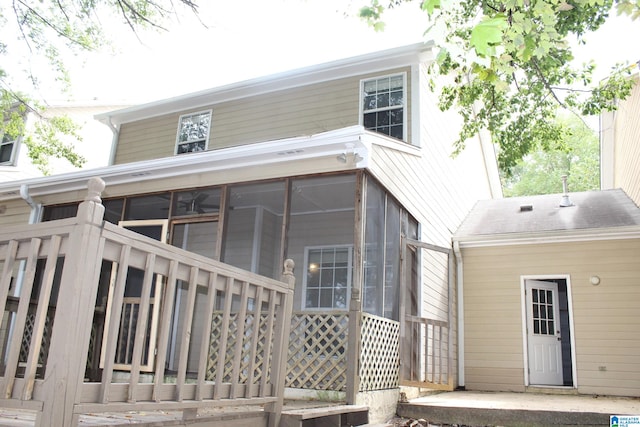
column 619, row 150
column 15, row 163
column 344, row 168
column 548, row 290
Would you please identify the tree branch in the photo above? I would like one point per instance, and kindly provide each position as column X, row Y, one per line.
column 546, row 83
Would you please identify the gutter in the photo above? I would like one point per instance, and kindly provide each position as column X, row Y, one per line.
column 114, row 139
column 36, row 208
column 460, row 301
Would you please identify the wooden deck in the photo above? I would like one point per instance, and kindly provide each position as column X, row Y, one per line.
column 230, row 415
column 244, row 365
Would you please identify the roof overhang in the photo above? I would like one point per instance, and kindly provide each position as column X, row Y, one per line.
column 373, row 62
column 348, row 141
column 555, row 236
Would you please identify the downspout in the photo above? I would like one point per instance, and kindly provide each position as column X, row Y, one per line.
column 114, row 140
column 460, row 301
column 36, row 208
column 34, row 217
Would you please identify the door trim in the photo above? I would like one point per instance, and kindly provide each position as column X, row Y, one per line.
column 523, row 311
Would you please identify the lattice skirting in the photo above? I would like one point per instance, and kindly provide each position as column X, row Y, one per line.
column 379, row 354
column 318, row 352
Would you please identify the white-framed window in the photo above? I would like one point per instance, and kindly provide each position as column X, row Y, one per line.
column 384, row 105
column 327, row 279
column 193, row 132
column 8, row 150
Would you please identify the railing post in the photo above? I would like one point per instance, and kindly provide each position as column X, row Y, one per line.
column 71, row 333
column 353, row 347
column 281, row 345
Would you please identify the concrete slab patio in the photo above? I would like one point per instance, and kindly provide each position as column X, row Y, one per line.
column 518, row 409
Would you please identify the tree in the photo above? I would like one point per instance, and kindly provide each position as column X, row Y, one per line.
column 509, row 62
column 540, row 172
column 47, row 30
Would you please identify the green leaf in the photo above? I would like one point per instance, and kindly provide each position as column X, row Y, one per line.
column 487, row 34
column 430, row 5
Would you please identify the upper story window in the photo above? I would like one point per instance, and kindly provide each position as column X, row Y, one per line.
column 8, row 149
column 383, row 105
column 193, row 132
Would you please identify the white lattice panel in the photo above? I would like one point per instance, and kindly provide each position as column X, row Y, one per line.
column 379, row 356
column 318, row 352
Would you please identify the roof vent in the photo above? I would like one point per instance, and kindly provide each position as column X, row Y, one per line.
column 526, row 208
column 565, row 202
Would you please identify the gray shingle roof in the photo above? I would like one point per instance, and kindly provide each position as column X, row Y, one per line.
column 590, row 210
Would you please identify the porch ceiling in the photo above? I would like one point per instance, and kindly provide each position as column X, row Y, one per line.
column 323, row 145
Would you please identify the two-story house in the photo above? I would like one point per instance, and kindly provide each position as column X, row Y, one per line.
column 344, row 168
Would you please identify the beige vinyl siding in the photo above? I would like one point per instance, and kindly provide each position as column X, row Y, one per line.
column 605, row 317
column 298, row 111
column 16, row 212
column 437, row 189
column 627, row 149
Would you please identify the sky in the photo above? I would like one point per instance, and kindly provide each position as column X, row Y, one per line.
column 239, row 40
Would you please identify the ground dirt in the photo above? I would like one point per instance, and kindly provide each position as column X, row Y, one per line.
column 409, row 422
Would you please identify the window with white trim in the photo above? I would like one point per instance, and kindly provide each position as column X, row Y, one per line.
column 383, row 105
column 193, row 132
column 327, row 281
column 8, row 149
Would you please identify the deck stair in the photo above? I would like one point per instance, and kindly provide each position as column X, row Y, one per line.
column 326, row 416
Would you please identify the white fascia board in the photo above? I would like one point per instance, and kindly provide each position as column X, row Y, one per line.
column 373, row 62
column 583, row 235
column 332, row 143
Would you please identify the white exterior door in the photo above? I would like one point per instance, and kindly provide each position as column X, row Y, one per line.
column 543, row 333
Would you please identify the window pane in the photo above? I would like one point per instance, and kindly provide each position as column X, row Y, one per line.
column 341, row 276
column 369, row 121
column 340, row 298
column 5, row 152
column 326, row 276
column 396, row 116
column 396, row 132
column 383, row 118
column 326, row 298
column 383, row 85
column 328, row 258
column 370, row 87
column 313, row 276
column 382, row 100
column 369, row 102
column 312, row 298
column 396, row 82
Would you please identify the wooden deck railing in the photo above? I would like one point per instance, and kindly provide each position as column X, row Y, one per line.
column 67, row 257
column 428, row 358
